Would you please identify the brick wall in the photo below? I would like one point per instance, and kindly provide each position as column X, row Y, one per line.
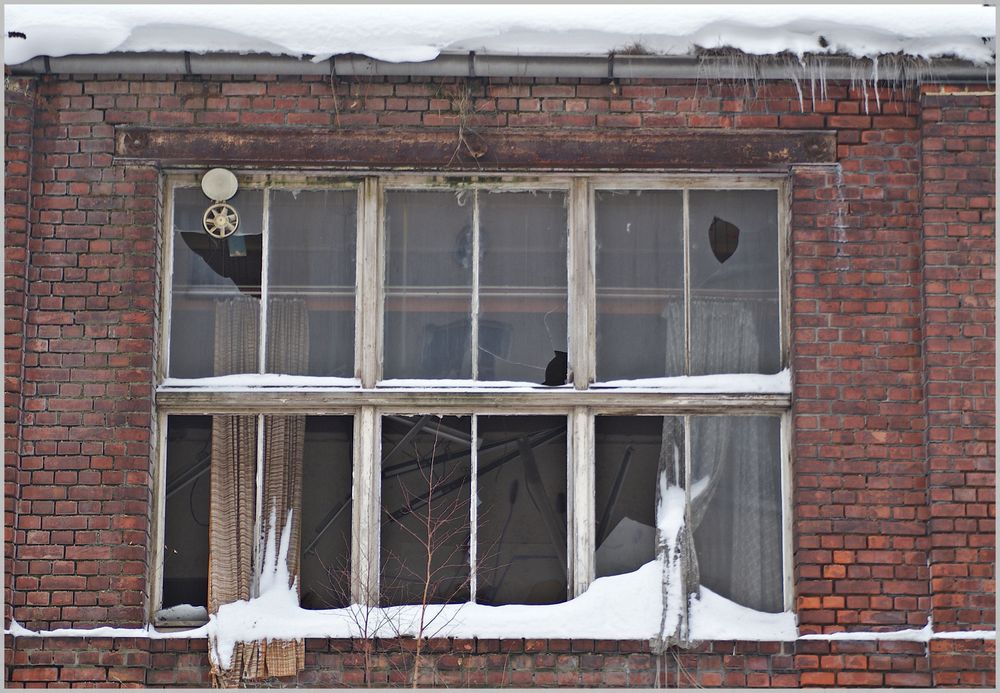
column 892, row 323
column 19, row 113
column 518, row 663
column 84, row 479
column 860, row 488
column 959, row 154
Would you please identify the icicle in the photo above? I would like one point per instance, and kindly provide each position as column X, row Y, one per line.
column 812, row 83
column 798, row 89
column 878, row 102
column 864, row 90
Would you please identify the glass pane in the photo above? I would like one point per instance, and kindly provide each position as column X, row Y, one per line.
column 425, row 509
column 327, row 467
column 521, row 556
column 428, row 293
column 311, row 267
column 522, row 305
column 736, row 507
column 186, row 511
column 734, row 281
column 640, row 283
column 215, row 298
column 627, row 455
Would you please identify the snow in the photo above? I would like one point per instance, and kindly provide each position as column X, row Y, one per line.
column 925, row 634
column 416, row 33
column 669, row 523
column 713, row 617
column 243, row 381
column 618, row 607
column 183, row 612
column 17, row 630
column 466, row 384
column 730, row 383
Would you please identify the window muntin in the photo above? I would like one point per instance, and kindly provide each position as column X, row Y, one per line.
column 371, row 233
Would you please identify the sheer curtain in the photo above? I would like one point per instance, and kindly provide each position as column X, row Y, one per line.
column 731, row 541
column 736, row 485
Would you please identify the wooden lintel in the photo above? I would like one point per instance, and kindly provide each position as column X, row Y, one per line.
column 491, row 150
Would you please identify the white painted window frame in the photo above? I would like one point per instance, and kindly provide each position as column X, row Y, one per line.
column 368, row 402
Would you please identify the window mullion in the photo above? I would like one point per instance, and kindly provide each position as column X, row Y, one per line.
column 581, row 501
column 475, row 286
column 264, row 288
column 787, row 562
column 473, row 507
column 370, row 269
column 258, row 523
column 367, row 494
column 687, row 281
column 167, row 284
column 580, row 296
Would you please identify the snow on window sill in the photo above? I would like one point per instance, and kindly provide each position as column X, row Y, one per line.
column 246, row 381
column 723, row 383
column 445, row 383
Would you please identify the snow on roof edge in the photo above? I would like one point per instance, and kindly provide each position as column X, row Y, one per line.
column 417, row 33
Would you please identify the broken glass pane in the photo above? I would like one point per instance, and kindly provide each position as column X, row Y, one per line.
column 734, row 304
column 627, row 455
column 186, row 511
column 311, row 266
column 640, row 282
column 522, row 305
column 428, row 277
column 735, row 499
column 425, row 509
column 521, row 556
column 216, row 289
column 325, row 564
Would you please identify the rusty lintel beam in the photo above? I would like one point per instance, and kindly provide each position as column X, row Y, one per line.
column 495, row 150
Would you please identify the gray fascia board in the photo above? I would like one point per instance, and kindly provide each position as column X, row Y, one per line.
column 470, row 64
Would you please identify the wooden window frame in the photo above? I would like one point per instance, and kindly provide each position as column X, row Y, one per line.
column 367, row 401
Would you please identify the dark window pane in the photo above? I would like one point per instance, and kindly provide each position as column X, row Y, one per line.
column 311, row 282
column 521, row 555
column 327, row 465
column 734, row 303
column 428, row 277
column 640, row 281
column 425, row 509
column 215, row 300
column 627, row 454
column 736, row 507
column 186, row 511
column 522, row 305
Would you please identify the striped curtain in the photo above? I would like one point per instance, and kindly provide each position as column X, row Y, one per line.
column 234, row 474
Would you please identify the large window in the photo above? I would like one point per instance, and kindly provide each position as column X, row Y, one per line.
column 468, row 388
